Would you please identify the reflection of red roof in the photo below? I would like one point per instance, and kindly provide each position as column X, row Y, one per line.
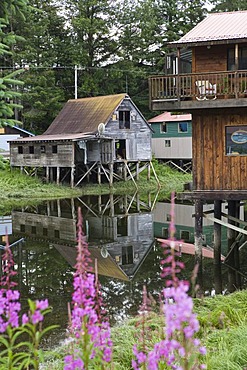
column 168, row 117
column 188, row 248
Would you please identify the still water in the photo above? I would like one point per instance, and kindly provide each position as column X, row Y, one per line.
column 121, row 232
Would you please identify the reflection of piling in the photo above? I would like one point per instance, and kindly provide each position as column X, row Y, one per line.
column 217, row 248
column 231, row 236
column 198, row 239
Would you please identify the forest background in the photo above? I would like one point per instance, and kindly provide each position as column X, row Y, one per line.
column 115, row 44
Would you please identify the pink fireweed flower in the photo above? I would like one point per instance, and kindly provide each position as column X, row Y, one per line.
column 8, row 267
column 9, row 309
column 179, row 346
column 87, row 326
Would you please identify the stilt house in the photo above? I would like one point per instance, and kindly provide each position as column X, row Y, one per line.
column 91, row 138
column 214, row 91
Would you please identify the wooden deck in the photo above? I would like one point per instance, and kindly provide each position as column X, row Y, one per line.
column 198, row 91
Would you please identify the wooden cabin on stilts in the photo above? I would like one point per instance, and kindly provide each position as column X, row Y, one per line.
column 96, row 139
column 214, row 91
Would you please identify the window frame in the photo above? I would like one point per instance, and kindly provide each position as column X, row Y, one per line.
column 179, row 129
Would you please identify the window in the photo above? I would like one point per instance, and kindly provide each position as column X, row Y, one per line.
column 90, row 147
column 167, row 143
column 183, row 127
column 242, row 59
column 42, row 149
column 20, row 149
column 185, row 235
column 22, row 228
column 163, row 128
column 114, row 117
column 45, row 231
column 33, row 229
column 124, row 119
column 54, row 149
column 56, row 234
column 168, row 217
column 236, row 140
column 31, row 150
column 165, row 232
column 127, row 255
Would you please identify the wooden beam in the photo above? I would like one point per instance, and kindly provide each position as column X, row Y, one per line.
column 85, row 174
column 156, row 177
column 130, row 174
column 226, row 224
column 213, row 195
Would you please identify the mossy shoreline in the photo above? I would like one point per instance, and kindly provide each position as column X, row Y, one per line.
column 16, row 186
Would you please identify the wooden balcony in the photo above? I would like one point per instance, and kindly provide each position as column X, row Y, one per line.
column 194, row 91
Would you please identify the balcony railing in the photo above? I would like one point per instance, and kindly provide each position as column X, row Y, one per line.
column 199, row 86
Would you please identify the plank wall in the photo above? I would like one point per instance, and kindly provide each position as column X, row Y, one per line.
column 212, row 168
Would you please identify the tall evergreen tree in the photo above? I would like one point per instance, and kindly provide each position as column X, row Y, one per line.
column 229, row 5
column 46, row 51
column 91, row 25
column 8, row 83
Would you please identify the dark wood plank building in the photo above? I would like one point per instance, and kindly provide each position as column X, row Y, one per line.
column 90, row 139
column 214, row 90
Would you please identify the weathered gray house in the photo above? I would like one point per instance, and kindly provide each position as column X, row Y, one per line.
column 90, row 138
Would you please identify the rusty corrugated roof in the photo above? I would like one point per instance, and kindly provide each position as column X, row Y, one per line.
column 106, row 266
column 223, row 27
column 84, row 115
column 168, row 117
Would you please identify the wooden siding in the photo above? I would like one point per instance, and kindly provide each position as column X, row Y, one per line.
column 212, row 168
column 33, row 225
column 63, row 158
column 209, row 60
column 181, row 148
column 137, row 137
column 172, row 130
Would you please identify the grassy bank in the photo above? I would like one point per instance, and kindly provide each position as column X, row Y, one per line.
column 223, row 321
column 15, row 185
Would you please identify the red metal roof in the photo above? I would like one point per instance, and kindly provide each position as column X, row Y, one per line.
column 168, row 117
column 188, row 248
column 217, row 27
column 61, row 137
column 84, row 115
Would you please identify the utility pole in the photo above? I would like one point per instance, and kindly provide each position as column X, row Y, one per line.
column 76, row 69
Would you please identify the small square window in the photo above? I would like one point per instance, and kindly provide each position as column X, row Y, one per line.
column 54, row 149
column 31, row 150
column 45, row 231
column 22, row 228
column 165, row 233
column 185, row 235
column 163, row 128
column 33, row 229
column 20, row 149
column 167, row 143
column 183, row 127
column 42, row 149
column 168, row 217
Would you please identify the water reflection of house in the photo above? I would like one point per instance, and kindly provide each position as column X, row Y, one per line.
column 120, row 241
column 184, row 220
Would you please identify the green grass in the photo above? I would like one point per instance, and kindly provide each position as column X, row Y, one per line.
column 223, row 321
